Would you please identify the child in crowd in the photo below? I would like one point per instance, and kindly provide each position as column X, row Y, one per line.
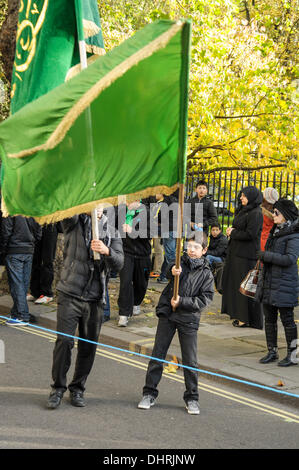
column 196, row 291
column 218, row 245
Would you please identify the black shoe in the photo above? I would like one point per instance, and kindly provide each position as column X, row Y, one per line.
column 54, row 399
column 77, row 398
column 270, row 357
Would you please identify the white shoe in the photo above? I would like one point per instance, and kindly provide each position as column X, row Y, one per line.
column 123, row 320
column 43, row 299
column 136, row 310
column 146, row 402
column 193, row 407
column 30, row 298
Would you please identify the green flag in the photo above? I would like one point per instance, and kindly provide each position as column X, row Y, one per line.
column 47, row 45
column 137, row 95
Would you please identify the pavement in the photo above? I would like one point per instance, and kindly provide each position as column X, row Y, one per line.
column 223, row 350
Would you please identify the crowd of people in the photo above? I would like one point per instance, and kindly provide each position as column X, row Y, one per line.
column 265, row 228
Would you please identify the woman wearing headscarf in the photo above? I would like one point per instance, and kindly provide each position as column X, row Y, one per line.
column 270, row 197
column 278, row 287
column 244, row 244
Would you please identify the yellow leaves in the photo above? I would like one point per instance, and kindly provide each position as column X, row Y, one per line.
column 172, row 368
column 280, row 383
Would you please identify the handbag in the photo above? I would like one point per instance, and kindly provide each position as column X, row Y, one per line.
column 249, row 284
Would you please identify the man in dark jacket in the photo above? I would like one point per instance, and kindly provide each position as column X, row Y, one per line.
column 218, row 245
column 82, row 289
column 196, row 291
column 19, row 236
column 134, row 226
column 209, row 213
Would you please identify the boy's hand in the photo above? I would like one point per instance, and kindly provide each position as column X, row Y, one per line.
column 99, row 247
column 175, row 271
column 175, row 302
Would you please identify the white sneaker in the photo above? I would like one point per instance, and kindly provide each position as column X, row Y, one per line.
column 123, row 320
column 146, row 402
column 43, row 299
column 136, row 310
column 30, row 298
column 193, row 407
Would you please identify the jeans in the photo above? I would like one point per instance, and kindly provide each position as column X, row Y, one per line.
column 18, row 272
column 169, row 245
column 106, row 313
column 213, row 259
column 188, row 342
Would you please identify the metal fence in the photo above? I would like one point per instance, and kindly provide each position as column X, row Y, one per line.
column 224, row 187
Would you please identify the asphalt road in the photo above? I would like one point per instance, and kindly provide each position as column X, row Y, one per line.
column 229, row 418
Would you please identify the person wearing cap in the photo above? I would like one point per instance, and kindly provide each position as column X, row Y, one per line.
column 278, row 287
column 270, row 197
column 244, row 244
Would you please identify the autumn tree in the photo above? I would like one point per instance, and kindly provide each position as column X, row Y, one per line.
column 242, row 101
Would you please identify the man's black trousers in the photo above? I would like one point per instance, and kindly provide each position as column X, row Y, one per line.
column 72, row 312
column 134, row 278
column 42, row 273
column 188, row 342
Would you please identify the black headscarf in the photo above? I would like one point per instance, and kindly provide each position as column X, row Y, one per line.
column 254, row 196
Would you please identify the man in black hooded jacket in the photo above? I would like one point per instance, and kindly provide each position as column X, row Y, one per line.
column 82, row 289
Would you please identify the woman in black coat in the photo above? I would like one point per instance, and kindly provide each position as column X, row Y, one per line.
column 278, row 287
column 244, row 244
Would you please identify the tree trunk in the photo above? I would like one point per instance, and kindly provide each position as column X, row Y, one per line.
column 8, row 38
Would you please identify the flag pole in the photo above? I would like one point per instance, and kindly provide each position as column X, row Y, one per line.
column 179, row 239
column 83, row 63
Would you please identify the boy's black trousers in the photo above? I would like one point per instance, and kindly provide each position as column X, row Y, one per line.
column 188, row 342
column 72, row 312
column 134, row 278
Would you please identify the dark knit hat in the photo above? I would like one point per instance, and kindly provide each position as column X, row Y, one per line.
column 287, row 208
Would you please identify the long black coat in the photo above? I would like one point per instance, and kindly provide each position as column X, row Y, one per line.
column 243, row 247
column 196, row 291
column 278, row 285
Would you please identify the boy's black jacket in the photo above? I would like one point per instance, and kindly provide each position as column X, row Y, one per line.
column 218, row 246
column 196, row 291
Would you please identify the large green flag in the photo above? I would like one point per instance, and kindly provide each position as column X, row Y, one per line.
column 47, row 45
column 137, row 95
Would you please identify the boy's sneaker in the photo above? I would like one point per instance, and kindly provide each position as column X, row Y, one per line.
column 123, row 320
column 30, row 298
column 146, row 402
column 193, row 407
column 136, row 310
column 16, row 322
column 43, row 299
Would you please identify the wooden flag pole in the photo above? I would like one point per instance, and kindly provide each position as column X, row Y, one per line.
column 179, row 239
column 94, row 216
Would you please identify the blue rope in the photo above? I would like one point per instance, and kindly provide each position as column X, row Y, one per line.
column 252, row 384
